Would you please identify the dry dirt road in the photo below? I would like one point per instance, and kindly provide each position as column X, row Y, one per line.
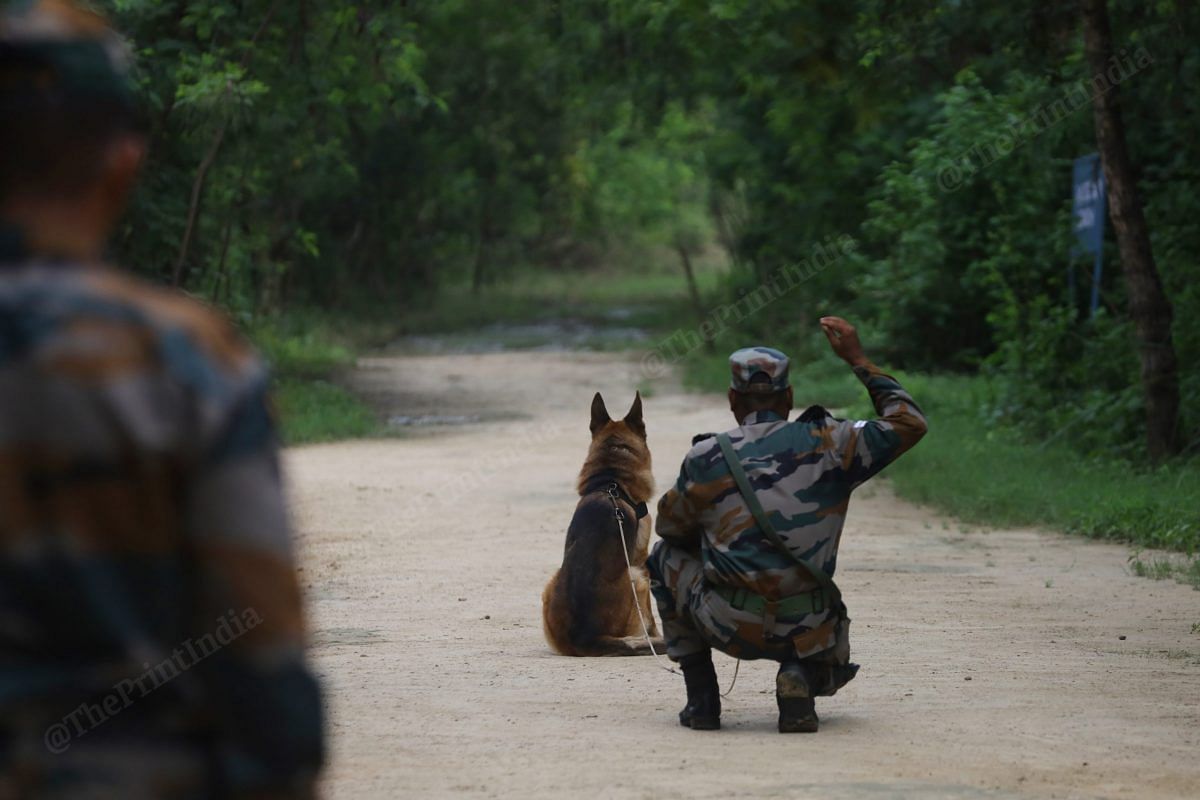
column 996, row 663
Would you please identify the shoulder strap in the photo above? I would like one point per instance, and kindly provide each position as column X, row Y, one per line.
column 764, row 523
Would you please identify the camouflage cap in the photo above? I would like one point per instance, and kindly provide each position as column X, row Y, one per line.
column 57, row 49
column 750, row 361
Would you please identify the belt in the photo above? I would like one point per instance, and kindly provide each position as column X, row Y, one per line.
column 797, row 605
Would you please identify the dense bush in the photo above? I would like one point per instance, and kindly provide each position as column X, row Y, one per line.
column 373, row 153
column 941, row 136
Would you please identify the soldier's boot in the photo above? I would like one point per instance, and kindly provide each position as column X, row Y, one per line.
column 703, row 709
column 797, row 711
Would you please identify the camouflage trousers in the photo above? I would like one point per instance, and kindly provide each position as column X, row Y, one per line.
column 695, row 618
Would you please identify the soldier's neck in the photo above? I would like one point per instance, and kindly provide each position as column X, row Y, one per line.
column 58, row 230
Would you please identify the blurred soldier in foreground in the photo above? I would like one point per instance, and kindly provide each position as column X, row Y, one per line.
column 750, row 533
column 151, row 638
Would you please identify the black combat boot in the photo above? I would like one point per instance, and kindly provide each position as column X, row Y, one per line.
column 703, row 709
column 797, row 711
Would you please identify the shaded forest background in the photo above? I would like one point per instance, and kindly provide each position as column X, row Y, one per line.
column 378, row 155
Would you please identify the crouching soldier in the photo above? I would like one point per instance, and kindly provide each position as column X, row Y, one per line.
column 750, row 532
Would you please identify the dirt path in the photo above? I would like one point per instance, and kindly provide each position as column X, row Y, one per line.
column 1002, row 663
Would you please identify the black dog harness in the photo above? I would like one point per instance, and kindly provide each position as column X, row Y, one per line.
column 606, row 481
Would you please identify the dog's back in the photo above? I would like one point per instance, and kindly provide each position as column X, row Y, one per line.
column 589, row 598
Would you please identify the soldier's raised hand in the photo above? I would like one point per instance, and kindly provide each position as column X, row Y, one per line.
column 843, row 339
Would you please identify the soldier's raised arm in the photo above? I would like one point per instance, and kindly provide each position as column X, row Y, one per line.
column 865, row 447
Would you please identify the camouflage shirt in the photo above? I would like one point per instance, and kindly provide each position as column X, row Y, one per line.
column 802, row 472
column 147, row 588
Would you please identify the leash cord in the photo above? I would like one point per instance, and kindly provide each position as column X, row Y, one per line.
column 736, row 669
column 619, row 515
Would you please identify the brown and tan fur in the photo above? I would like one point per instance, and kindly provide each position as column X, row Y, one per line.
column 588, row 606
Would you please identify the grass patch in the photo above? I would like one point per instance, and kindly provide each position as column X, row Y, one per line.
column 305, row 349
column 984, row 473
column 316, row 410
column 310, row 343
column 1182, row 569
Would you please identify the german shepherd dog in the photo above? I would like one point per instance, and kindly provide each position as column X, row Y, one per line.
column 588, row 607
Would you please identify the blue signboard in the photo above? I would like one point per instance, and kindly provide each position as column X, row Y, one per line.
column 1089, row 210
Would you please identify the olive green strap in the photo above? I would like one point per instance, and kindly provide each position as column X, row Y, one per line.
column 764, row 524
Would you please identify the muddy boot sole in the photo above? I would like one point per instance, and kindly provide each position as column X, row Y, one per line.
column 797, row 711
column 791, row 684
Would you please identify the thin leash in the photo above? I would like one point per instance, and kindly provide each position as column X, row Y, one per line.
column 736, row 668
column 619, row 515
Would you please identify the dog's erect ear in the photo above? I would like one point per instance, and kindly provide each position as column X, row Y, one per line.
column 634, row 418
column 600, row 416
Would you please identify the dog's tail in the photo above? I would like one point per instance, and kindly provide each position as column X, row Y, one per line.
column 584, row 632
column 569, row 618
column 588, row 635
column 583, row 626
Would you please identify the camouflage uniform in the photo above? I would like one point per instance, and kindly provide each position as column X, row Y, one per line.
column 151, row 636
column 712, row 556
column 141, row 507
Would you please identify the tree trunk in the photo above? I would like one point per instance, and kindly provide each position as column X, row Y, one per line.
column 477, row 271
column 222, row 292
column 1149, row 307
column 693, row 290
column 210, row 158
column 725, row 235
column 193, row 216
column 482, row 248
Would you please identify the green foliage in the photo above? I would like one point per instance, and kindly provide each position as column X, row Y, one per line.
column 314, row 411
column 942, row 136
column 311, row 153
column 653, row 186
column 305, row 351
column 988, row 473
column 309, row 343
column 386, row 155
column 1159, row 568
column 958, row 250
